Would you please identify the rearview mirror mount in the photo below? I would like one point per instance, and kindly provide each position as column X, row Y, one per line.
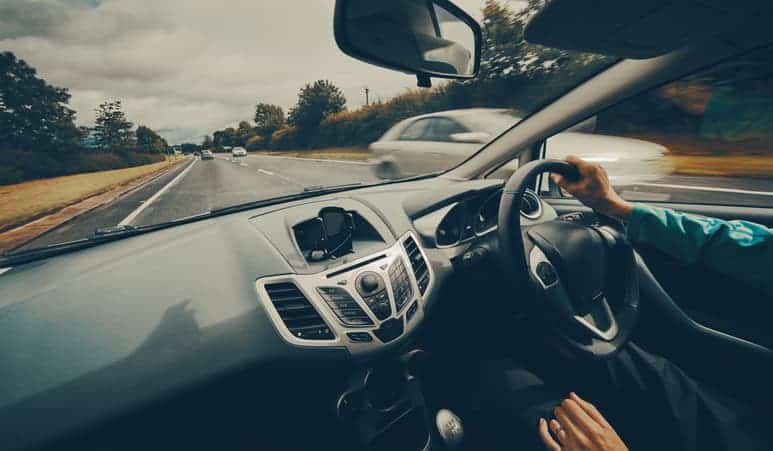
column 428, row 38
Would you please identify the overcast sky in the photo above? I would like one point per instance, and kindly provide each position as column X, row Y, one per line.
column 188, row 67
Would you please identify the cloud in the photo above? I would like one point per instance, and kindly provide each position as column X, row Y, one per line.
column 188, row 67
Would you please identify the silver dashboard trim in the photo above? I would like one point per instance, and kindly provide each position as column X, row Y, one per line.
column 308, row 283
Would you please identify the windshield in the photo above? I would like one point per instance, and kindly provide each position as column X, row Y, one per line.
column 117, row 114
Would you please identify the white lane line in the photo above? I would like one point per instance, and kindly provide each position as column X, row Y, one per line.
column 274, row 174
column 5, row 270
column 133, row 215
column 708, row 188
column 360, row 163
column 243, row 164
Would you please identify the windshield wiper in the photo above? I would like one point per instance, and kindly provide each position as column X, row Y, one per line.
column 318, row 188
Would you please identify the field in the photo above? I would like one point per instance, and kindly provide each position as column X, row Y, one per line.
column 24, row 202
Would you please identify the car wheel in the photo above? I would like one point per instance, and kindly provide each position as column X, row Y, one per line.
column 387, row 170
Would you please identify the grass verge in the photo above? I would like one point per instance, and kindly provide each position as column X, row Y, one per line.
column 725, row 166
column 26, row 201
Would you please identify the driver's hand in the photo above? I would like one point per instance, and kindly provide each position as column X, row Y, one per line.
column 593, row 189
column 579, row 426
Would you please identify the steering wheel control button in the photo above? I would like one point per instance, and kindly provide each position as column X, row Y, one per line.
column 401, row 284
column 344, row 306
column 389, row 330
column 359, row 337
column 546, row 273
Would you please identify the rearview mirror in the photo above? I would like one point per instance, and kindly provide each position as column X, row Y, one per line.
column 429, row 38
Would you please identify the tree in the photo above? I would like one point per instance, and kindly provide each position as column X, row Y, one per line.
column 316, row 102
column 268, row 119
column 33, row 114
column 207, row 143
column 149, row 141
column 112, row 131
column 225, row 138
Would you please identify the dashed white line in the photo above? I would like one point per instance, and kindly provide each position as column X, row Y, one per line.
column 708, row 188
column 274, row 174
column 4, row 270
column 133, row 215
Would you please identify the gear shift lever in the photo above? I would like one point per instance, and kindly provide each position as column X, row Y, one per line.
column 450, row 428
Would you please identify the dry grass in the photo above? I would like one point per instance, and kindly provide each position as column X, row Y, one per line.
column 26, row 201
column 727, row 165
column 331, row 153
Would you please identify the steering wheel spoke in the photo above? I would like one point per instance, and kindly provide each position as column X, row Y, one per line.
column 599, row 319
column 585, row 275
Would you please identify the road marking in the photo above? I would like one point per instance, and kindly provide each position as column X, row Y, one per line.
column 4, row 270
column 133, row 215
column 243, row 164
column 274, row 174
column 360, row 163
column 708, row 188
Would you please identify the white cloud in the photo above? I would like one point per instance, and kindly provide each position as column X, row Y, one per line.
column 188, row 67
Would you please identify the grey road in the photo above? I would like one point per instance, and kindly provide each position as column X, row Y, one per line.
column 199, row 186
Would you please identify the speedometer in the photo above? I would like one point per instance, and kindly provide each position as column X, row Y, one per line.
column 488, row 214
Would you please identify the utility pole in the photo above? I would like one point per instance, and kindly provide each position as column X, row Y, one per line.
column 367, row 91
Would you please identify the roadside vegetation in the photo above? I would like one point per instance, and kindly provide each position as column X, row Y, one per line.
column 23, row 202
column 39, row 138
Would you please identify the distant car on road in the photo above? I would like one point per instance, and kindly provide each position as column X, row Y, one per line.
column 439, row 141
column 207, row 155
column 238, row 152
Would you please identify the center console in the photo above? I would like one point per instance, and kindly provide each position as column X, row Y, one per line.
column 385, row 408
column 364, row 305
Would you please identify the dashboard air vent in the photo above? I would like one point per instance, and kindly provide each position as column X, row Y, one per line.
column 300, row 317
column 418, row 264
column 531, row 207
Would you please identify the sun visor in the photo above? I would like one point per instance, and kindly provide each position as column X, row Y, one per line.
column 637, row 29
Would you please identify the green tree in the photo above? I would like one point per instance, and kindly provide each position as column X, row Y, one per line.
column 244, row 133
column 112, row 131
column 33, row 114
column 316, row 102
column 268, row 119
column 207, row 143
column 149, row 141
column 227, row 137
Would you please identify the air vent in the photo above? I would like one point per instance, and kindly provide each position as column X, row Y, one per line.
column 418, row 264
column 300, row 317
column 531, row 207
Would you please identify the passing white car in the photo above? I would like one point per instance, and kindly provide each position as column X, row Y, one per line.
column 238, row 152
column 440, row 141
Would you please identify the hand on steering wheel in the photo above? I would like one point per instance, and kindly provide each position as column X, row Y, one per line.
column 585, row 277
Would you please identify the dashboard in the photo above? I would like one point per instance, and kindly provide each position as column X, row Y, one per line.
column 110, row 329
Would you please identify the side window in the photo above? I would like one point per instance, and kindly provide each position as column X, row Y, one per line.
column 706, row 138
column 415, row 131
column 442, row 128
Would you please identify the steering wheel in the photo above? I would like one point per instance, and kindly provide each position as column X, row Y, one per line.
column 585, row 277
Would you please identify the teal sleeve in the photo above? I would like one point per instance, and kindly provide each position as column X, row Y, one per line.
column 740, row 249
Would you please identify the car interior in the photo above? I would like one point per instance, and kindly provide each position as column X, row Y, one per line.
column 333, row 320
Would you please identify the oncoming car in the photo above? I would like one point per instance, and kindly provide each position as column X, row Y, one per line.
column 436, row 141
column 290, row 299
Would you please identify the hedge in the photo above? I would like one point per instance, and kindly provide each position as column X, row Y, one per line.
column 18, row 166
